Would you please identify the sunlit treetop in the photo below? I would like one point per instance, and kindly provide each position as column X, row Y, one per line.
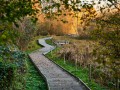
column 11, row 10
column 54, row 8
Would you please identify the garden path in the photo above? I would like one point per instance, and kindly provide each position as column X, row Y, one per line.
column 57, row 78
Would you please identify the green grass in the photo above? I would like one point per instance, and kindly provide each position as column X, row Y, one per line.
column 49, row 41
column 81, row 73
column 33, row 45
column 34, row 81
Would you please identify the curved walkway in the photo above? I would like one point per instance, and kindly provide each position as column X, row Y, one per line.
column 56, row 77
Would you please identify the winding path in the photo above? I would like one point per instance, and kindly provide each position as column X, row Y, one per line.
column 56, row 77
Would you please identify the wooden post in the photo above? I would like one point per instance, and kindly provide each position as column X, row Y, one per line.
column 80, row 59
column 76, row 62
column 89, row 72
column 64, row 59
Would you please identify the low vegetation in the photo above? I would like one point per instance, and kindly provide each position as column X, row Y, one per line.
column 100, row 53
column 33, row 44
column 81, row 73
column 16, row 70
column 34, row 81
column 13, row 69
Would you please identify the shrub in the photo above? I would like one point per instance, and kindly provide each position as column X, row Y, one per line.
column 12, row 67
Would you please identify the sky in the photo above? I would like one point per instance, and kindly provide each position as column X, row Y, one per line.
column 97, row 3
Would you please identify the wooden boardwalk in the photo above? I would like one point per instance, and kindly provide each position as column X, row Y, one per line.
column 57, row 78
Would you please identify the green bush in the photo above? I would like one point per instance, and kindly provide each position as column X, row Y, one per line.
column 107, row 52
column 12, row 67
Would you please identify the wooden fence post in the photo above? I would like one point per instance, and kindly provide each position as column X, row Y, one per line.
column 76, row 64
column 64, row 59
column 76, row 59
column 90, row 72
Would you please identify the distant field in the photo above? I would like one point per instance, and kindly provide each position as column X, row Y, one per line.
column 81, row 44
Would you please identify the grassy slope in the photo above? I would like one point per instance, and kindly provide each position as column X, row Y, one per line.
column 81, row 73
column 33, row 45
column 49, row 41
column 34, row 81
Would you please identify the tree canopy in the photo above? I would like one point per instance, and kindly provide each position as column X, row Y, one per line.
column 10, row 10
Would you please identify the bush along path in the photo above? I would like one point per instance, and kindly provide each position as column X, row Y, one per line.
column 56, row 77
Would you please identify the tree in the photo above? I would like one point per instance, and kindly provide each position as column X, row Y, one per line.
column 10, row 10
column 108, row 52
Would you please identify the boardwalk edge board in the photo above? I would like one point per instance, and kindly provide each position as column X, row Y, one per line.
column 78, row 79
column 44, row 44
column 40, row 72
